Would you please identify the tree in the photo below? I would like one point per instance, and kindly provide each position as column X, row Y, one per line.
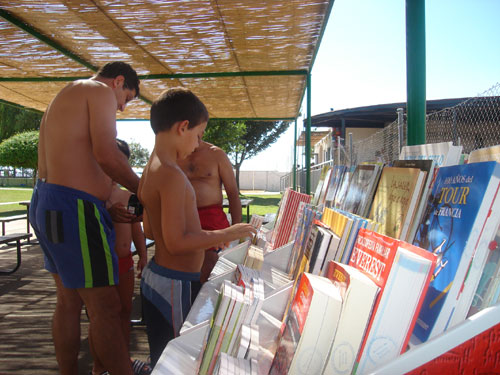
column 15, row 120
column 139, row 155
column 244, row 139
column 21, row 151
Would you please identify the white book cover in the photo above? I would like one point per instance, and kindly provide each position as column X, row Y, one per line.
column 444, row 153
column 358, row 297
column 310, row 327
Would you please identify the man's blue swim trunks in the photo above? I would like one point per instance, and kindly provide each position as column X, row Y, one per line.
column 76, row 234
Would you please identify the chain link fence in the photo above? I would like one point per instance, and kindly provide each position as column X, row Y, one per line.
column 474, row 123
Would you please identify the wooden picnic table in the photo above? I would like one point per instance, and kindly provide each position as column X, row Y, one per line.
column 244, row 203
column 16, row 237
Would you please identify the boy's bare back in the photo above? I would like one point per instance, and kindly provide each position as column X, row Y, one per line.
column 123, row 231
column 170, row 214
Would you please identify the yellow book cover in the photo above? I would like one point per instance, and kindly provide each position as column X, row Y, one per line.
column 392, row 199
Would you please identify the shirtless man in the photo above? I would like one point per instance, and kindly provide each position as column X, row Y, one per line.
column 208, row 168
column 77, row 159
column 178, row 119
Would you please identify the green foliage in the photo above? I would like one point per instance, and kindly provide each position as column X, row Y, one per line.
column 20, row 150
column 244, row 139
column 139, row 155
column 225, row 134
column 14, row 120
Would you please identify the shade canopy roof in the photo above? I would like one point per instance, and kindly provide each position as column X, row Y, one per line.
column 244, row 59
column 375, row 116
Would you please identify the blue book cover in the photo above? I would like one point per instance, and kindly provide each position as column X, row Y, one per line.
column 451, row 226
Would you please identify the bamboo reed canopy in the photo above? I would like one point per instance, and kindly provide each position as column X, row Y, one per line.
column 244, row 59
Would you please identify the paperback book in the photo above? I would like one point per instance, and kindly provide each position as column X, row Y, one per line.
column 402, row 272
column 461, row 219
column 309, row 329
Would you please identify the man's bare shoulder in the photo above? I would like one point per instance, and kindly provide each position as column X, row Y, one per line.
column 215, row 152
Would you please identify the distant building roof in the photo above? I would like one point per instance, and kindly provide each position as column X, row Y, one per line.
column 316, row 136
column 374, row 116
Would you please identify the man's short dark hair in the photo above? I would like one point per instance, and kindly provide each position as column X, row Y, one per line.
column 118, row 68
column 123, row 147
column 175, row 105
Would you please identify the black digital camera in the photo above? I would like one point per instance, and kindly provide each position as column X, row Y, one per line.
column 134, row 206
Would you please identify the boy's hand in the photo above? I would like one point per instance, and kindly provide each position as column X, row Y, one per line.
column 119, row 213
column 141, row 263
column 241, row 230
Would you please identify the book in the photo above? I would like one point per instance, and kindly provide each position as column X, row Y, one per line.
column 491, row 153
column 330, row 253
column 341, row 225
column 460, row 220
column 443, row 153
column 358, row 293
column 220, row 318
column 301, row 240
column 310, row 327
column 360, row 191
column 403, row 272
column 321, row 246
column 285, row 218
column 322, row 184
column 333, row 186
column 425, row 166
column 358, row 223
column 395, row 197
column 343, row 188
column 254, row 257
column 326, row 183
column 488, row 290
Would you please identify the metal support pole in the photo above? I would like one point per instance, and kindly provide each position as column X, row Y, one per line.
column 415, row 71
column 351, row 153
column 342, row 132
column 295, row 156
column 308, row 136
column 338, row 150
column 400, row 129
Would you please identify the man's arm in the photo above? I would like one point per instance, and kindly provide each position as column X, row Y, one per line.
column 230, row 186
column 102, row 125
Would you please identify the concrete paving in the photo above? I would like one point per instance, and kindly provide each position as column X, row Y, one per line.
column 27, row 301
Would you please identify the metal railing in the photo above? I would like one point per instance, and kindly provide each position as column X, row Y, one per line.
column 474, row 123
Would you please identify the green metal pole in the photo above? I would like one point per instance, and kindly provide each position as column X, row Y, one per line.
column 308, row 136
column 295, row 156
column 415, row 70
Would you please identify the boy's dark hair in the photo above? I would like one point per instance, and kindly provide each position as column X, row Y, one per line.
column 118, row 68
column 174, row 105
column 123, row 147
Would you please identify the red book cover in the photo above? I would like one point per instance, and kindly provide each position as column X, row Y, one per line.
column 403, row 272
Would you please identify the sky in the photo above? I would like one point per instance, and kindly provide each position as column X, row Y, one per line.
column 362, row 61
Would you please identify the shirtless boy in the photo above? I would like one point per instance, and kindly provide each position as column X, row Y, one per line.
column 178, row 119
column 77, row 159
column 126, row 233
column 208, row 168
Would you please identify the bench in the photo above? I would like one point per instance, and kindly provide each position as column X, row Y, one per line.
column 16, row 237
column 8, row 219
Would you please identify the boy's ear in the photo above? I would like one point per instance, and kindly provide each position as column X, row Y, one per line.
column 182, row 126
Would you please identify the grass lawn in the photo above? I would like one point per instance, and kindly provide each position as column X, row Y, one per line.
column 261, row 205
column 14, row 195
